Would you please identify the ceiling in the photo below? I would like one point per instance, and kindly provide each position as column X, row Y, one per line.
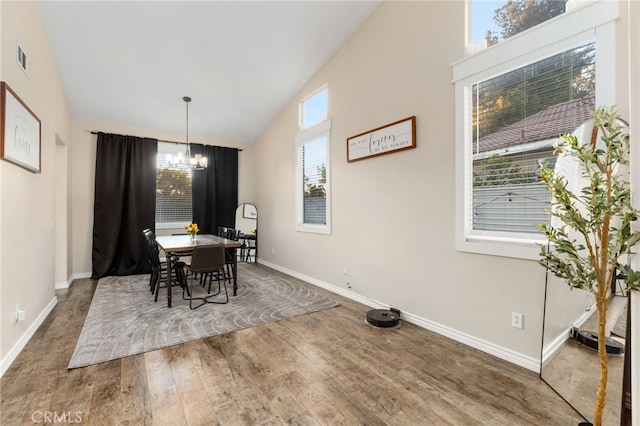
column 132, row 62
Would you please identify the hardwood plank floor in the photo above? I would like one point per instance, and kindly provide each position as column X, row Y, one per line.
column 328, row 367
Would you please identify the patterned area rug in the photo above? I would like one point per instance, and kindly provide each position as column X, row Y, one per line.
column 123, row 320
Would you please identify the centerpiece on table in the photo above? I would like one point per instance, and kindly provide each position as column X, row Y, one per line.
column 192, row 230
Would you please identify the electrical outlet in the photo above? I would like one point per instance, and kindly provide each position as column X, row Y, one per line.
column 517, row 320
column 21, row 314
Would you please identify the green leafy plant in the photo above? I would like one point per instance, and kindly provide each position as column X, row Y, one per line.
column 596, row 225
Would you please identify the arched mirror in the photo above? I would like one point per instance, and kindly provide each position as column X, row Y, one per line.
column 247, row 223
column 570, row 363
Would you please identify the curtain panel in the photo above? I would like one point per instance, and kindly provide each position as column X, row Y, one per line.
column 215, row 189
column 125, row 199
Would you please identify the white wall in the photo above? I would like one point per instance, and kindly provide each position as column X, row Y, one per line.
column 29, row 259
column 82, row 174
column 393, row 216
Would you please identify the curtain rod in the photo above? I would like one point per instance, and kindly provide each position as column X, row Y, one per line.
column 160, row 140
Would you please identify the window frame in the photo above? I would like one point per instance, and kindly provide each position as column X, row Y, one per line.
column 312, row 134
column 592, row 22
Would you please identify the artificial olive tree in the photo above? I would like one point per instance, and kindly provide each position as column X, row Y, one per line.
column 595, row 230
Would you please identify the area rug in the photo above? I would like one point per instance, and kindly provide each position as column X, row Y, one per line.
column 123, row 319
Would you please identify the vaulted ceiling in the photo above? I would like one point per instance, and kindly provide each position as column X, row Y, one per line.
column 131, row 62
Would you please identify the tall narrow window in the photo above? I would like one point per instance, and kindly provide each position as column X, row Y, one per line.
column 173, row 197
column 312, row 165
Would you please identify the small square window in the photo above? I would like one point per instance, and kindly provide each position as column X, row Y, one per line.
column 313, row 109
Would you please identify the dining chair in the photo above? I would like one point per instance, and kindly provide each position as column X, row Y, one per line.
column 209, row 261
column 158, row 265
column 230, row 253
column 249, row 248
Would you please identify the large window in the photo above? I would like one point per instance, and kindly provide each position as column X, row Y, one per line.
column 312, row 165
column 517, row 117
column 512, row 103
column 173, row 190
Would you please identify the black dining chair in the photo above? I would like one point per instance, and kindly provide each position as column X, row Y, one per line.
column 209, row 261
column 249, row 248
column 158, row 266
column 230, row 253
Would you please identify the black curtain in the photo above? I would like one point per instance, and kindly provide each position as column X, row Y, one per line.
column 125, row 204
column 214, row 190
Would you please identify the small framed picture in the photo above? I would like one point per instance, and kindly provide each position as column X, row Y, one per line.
column 249, row 211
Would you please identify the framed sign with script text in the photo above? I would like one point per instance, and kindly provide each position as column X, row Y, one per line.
column 393, row 137
column 21, row 131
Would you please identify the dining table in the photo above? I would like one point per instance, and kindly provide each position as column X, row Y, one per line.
column 175, row 244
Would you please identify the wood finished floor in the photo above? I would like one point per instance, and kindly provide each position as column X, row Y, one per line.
column 323, row 368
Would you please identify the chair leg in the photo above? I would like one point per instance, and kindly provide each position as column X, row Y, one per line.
column 152, row 283
column 156, row 285
column 226, row 292
column 191, row 300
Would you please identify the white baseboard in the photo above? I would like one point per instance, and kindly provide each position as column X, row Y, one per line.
column 513, row 357
column 6, row 362
column 62, row 285
column 557, row 343
column 77, row 276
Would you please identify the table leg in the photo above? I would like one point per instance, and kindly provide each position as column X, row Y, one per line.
column 169, row 274
column 235, row 274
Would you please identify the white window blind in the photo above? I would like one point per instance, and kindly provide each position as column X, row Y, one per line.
column 314, row 156
column 516, row 117
column 173, row 191
column 313, row 176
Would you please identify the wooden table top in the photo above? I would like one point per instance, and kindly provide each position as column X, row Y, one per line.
column 174, row 243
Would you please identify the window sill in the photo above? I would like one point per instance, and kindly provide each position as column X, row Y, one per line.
column 313, row 229
column 171, row 225
column 517, row 248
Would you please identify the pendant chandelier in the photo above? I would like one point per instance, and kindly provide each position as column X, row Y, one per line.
column 186, row 161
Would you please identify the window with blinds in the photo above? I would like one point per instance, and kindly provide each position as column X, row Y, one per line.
column 173, row 191
column 314, row 166
column 516, row 119
column 313, row 143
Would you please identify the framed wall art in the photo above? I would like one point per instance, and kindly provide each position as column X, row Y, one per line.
column 393, row 137
column 20, row 139
column 249, row 211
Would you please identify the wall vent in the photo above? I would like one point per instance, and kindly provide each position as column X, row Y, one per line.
column 23, row 60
